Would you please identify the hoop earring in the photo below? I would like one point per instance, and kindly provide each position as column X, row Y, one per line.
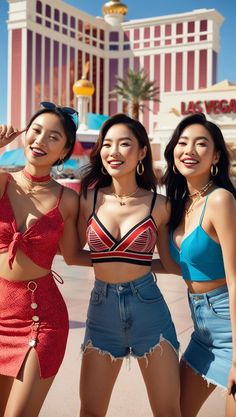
column 60, row 163
column 103, row 171
column 140, row 168
column 214, row 170
column 175, row 170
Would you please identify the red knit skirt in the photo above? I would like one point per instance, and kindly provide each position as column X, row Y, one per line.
column 33, row 314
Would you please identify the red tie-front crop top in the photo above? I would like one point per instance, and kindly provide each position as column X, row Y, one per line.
column 136, row 247
column 39, row 242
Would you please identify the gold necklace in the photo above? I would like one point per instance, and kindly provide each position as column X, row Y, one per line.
column 197, row 195
column 125, row 196
column 31, row 184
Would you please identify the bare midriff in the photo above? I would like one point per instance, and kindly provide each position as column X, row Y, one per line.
column 197, row 287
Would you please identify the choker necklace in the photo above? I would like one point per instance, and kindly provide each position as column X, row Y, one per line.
column 197, row 195
column 124, row 196
column 33, row 180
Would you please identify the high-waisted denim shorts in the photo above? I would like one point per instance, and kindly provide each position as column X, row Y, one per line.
column 128, row 318
column 209, row 352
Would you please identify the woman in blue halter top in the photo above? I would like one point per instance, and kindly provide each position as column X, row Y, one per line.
column 202, row 241
column 120, row 216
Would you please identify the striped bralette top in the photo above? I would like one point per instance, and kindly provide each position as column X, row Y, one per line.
column 136, row 246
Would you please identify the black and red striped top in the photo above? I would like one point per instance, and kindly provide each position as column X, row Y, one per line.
column 136, row 246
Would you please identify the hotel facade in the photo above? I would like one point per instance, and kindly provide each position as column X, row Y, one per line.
column 50, row 42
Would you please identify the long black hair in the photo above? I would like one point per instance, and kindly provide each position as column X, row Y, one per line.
column 92, row 174
column 176, row 185
column 68, row 127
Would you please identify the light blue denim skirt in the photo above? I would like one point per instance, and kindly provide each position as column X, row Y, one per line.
column 130, row 318
column 209, row 352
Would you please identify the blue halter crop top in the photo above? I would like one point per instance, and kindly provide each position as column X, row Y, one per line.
column 199, row 256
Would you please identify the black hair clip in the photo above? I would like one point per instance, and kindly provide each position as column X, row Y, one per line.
column 233, row 391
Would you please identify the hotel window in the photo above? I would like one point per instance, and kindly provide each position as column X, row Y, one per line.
column 136, row 38
column 38, row 11
column 94, row 31
column 191, row 29
column 114, row 37
column 48, row 15
column 113, row 47
column 157, row 33
column 146, row 36
column 102, row 36
column 87, row 28
column 203, row 28
column 80, row 29
column 65, row 23
column 167, row 34
column 179, row 33
column 72, row 25
column 57, row 19
column 126, row 45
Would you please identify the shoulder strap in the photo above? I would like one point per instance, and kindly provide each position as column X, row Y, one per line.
column 95, row 198
column 204, row 206
column 153, row 201
column 203, row 210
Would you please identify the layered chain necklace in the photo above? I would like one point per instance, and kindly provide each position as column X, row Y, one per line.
column 123, row 197
column 32, row 180
column 195, row 197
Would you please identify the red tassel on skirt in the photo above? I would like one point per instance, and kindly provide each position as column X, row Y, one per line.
column 33, row 314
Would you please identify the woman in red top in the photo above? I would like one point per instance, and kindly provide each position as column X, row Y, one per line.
column 37, row 216
column 127, row 315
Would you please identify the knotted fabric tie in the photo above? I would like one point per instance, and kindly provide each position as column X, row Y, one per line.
column 15, row 243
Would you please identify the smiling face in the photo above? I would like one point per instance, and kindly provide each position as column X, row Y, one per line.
column 45, row 140
column 120, row 151
column 195, row 152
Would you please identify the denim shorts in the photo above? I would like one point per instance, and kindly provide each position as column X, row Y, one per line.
column 130, row 318
column 209, row 352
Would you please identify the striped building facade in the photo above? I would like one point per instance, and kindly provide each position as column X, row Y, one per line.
column 50, row 41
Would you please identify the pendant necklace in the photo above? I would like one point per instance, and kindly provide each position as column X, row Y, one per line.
column 195, row 197
column 120, row 198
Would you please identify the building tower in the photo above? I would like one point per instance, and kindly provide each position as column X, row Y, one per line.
column 114, row 12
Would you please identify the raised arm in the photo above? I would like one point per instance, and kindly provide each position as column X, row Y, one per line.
column 8, row 133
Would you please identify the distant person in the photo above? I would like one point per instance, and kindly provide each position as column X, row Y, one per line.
column 203, row 241
column 120, row 217
column 37, row 216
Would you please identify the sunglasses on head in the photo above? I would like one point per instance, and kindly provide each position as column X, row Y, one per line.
column 72, row 113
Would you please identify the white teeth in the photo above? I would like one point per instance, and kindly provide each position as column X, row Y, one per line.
column 189, row 162
column 115, row 163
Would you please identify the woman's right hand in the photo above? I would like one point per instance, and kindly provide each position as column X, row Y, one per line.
column 8, row 133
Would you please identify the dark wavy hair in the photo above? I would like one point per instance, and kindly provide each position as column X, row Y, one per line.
column 68, row 127
column 176, row 185
column 92, row 175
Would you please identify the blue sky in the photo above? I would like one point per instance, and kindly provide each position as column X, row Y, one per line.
column 147, row 8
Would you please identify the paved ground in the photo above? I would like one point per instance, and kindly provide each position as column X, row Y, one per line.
column 129, row 397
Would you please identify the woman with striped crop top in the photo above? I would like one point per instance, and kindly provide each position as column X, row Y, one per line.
column 202, row 241
column 120, row 217
column 37, row 215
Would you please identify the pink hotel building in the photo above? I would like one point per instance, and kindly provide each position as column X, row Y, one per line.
column 50, row 41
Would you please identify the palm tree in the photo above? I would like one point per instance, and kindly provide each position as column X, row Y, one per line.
column 137, row 90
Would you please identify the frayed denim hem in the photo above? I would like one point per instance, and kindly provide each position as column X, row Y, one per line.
column 209, row 381
column 85, row 348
